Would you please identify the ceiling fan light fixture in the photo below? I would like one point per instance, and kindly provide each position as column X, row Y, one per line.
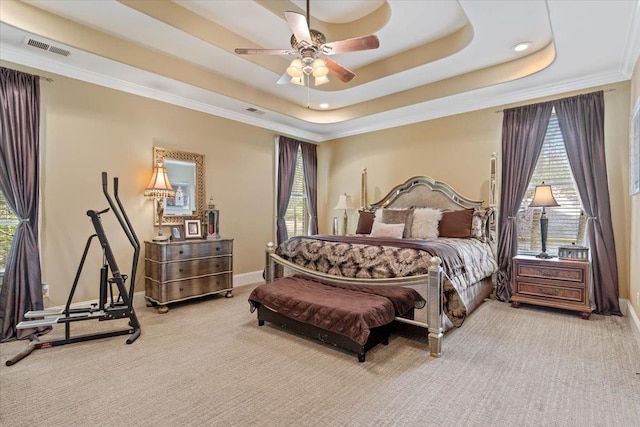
column 297, row 80
column 320, row 68
column 320, row 80
column 295, row 68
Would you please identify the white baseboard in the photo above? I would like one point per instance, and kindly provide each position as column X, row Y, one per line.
column 634, row 321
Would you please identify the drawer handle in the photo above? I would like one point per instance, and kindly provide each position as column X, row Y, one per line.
column 181, row 270
column 217, row 249
column 181, row 252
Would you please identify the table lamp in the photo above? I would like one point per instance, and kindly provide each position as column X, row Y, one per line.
column 344, row 202
column 543, row 198
column 159, row 188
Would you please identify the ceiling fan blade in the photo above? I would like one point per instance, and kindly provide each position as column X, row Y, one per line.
column 351, row 45
column 340, row 71
column 284, row 79
column 299, row 26
column 266, row 51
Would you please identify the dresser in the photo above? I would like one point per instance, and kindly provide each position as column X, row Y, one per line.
column 552, row 283
column 177, row 271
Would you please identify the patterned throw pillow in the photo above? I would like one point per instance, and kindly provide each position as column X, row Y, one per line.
column 425, row 223
column 480, row 224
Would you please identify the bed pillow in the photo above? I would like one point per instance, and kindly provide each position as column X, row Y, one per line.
column 380, row 229
column 365, row 222
column 425, row 223
column 399, row 216
column 479, row 225
column 456, row 223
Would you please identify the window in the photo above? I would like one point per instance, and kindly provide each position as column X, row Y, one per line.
column 8, row 225
column 566, row 222
column 297, row 216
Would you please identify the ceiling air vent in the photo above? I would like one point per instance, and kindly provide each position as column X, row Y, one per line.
column 45, row 46
column 254, row 110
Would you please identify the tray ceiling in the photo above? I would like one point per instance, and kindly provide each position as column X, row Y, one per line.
column 436, row 58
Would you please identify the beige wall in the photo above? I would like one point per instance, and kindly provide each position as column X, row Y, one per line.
column 87, row 129
column 456, row 150
column 634, row 215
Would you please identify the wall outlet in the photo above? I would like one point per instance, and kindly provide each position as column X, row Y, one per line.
column 45, row 290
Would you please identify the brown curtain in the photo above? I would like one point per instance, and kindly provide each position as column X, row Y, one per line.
column 287, row 154
column 581, row 120
column 523, row 131
column 19, row 171
column 310, row 166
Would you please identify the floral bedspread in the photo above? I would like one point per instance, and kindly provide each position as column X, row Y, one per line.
column 465, row 261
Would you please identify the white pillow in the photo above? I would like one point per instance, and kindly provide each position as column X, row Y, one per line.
column 380, row 229
column 425, row 223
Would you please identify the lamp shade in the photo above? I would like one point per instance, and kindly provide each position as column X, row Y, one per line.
column 543, row 197
column 344, row 202
column 159, row 185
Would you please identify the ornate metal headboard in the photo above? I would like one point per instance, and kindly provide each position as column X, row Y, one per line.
column 424, row 191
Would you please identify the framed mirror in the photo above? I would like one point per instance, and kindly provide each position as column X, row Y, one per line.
column 186, row 174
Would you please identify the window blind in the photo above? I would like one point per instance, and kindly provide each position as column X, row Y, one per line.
column 566, row 222
column 297, row 218
column 8, row 225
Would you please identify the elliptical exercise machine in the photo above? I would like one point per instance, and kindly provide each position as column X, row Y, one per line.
column 108, row 307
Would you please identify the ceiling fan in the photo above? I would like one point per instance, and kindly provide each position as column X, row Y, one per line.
column 309, row 45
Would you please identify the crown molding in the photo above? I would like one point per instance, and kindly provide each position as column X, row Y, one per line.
column 632, row 47
column 489, row 97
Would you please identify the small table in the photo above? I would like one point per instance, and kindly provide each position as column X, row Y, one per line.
column 552, row 283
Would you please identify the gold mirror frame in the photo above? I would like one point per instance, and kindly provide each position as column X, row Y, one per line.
column 159, row 155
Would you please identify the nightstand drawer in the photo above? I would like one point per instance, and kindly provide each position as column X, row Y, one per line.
column 564, row 273
column 560, row 293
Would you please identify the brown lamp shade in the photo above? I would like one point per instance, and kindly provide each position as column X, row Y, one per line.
column 159, row 185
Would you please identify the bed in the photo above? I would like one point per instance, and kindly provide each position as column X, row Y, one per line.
column 453, row 274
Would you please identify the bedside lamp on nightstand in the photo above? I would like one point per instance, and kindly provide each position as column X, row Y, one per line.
column 344, row 202
column 159, row 187
column 543, row 198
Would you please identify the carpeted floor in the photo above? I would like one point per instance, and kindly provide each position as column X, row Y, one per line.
column 207, row 362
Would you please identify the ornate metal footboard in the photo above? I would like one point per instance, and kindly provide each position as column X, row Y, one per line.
column 433, row 281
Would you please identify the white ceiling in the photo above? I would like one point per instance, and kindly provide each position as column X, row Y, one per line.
column 590, row 43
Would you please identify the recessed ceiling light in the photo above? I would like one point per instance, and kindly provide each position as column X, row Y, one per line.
column 324, row 105
column 522, row 46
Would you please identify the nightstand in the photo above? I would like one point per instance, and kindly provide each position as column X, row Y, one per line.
column 552, row 283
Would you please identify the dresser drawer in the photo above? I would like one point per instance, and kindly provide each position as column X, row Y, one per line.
column 187, row 250
column 168, row 271
column 183, row 289
column 555, row 292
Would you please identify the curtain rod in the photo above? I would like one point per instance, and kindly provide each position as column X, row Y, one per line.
column 604, row 90
column 46, row 79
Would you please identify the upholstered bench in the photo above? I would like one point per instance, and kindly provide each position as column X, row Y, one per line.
column 349, row 317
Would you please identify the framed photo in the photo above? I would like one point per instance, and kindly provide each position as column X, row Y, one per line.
column 177, row 233
column 634, row 151
column 192, row 229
